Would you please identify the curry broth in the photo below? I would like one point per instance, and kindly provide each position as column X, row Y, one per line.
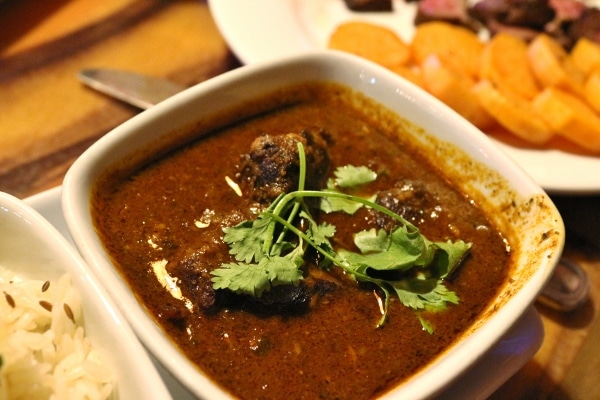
column 176, row 208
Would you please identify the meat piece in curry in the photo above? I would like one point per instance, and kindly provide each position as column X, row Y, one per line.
column 320, row 340
column 272, row 165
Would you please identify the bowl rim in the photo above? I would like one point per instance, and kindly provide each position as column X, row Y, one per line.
column 80, row 178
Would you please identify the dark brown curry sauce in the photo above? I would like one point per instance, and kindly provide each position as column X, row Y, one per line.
column 334, row 351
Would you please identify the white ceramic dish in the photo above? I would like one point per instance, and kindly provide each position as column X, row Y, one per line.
column 511, row 193
column 502, row 361
column 33, row 249
column 291, row 27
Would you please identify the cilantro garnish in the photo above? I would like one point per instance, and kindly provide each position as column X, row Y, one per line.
column 402, row 261
column 350, row 176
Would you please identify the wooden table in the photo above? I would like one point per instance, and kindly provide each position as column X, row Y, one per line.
column 47, row 119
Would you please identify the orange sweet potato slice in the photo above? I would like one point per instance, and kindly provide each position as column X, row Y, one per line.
column 504, row 62
column 569, row 116
column 456, row 47
column 552, row 66
column 591, row 89
column 455, row 90
column 373, row 42
column 586, row 55
column 513, row 113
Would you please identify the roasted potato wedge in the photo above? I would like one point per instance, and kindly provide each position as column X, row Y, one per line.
column 455, row 46
column 454, row 89
column 586, row 55
column 373, row 42
column 411, row 73
column 552, row 65
column 591, row 89
column 533, row 90
column 504, row 62
column 513, row 113
column 569, row 116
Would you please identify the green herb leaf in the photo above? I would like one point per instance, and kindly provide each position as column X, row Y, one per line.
column 319, row 234
column 350, row 176
column 400, row 250
column 450, row 256
column 248, row 279
column 425, row 324
column 349, row 205
column 247, row 238
column 254, row 279
column 424, row 293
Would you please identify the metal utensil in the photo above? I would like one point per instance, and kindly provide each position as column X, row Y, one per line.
column 567, row 289
column 138, row 90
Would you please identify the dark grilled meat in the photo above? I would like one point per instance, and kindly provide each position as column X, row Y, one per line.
column 272, row 167
column 451, row 11
column 565, row 20
column 369, row 5
column 587, row 25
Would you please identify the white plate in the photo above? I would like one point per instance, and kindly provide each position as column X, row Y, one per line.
column 509, row 355
column 262, row 30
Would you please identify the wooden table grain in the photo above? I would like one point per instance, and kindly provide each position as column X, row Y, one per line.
column 47, row 119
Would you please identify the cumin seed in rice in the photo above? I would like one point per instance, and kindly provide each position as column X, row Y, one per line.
column 46, row 305
column 45, row 286
column 69, row 312
column 9, row 300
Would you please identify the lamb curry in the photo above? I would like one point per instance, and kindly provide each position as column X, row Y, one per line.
column 174, row 225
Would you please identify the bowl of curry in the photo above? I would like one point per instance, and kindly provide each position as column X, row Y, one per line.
column 315, row 227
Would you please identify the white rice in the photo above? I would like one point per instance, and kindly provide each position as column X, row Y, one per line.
column 45, row 354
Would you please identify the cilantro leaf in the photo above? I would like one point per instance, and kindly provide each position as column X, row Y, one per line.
column 450, row 257
column 400, row 250
column 372, row 241
column 424, row 293
column 425, row 324
column 348, row 205
column 282, row 270
column 350, row 176
column 254, row 279
column 247, row 238
column 319, row 234
column 248, row 279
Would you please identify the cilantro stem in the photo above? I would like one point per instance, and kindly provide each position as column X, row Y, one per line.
column 302, row 162
column 280, row 205
column 305, row 237
column 299, row 194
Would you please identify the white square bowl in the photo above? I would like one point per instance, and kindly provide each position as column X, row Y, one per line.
column 32, row 248
column 505, row 191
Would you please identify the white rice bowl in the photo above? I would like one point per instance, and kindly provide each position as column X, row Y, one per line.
column 44, row 351
column 61, row 336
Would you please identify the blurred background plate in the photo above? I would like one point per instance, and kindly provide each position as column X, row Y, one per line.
column 262, row 30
